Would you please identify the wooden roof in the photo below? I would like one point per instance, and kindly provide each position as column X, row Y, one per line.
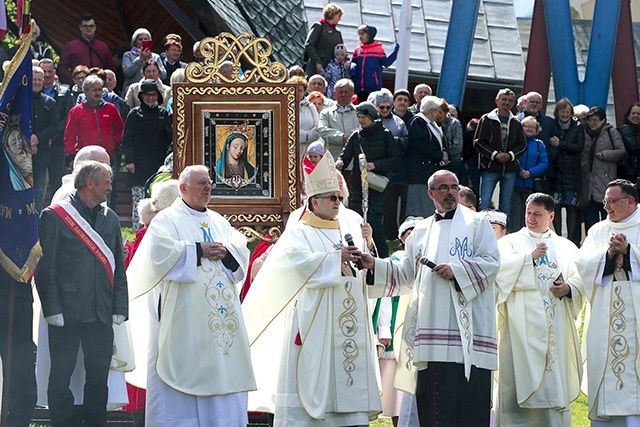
column 116, row 21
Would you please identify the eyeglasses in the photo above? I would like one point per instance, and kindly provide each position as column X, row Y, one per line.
column 612, row 201
column 445, row 188
column 332, row 197
column 88, row 27
column 384, row 107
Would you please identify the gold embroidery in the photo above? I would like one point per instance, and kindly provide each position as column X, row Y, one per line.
column 223, row 320
column 465, row 321
column 546, row 274
column 349, row 327
column 618, row 345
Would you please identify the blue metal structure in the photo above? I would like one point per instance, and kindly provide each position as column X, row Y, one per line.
column 457, row 52
column 557, row 20
column 595, row 87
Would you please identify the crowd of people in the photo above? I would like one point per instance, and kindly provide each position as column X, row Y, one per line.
column 469, row 292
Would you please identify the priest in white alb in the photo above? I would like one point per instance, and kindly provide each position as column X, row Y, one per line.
column 609, row 263
column 450, row 263
column 309, row 321
column 186, row 317
column 539, row 294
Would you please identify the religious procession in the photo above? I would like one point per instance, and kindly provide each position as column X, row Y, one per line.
column 233, row 240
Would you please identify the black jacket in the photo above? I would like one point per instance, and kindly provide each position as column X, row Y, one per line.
column 145, row 142
column 629, row 167
column 423, row 153
column 44, row 124
column 379, row 147
column 70, row 279
column 565, row 158
column 65, row 101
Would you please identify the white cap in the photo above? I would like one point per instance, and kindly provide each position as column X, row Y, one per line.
column 497, row 217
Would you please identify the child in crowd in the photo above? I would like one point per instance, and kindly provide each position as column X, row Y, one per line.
column 337, row 69
column 315, row 151
column 368, row 60
column 498, row 221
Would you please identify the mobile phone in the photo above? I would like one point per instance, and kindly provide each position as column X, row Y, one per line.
column 147, row 45
column 559, row 278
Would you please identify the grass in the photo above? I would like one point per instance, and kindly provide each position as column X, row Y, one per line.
column 579, row 415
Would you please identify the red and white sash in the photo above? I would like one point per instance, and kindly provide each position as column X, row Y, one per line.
column 87, row 235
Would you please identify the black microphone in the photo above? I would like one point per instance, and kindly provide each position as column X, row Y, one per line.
column 425, row 261
column 349, row 239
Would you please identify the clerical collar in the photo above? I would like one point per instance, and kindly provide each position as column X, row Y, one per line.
column 446, row 215
column 544, row 235
column 193, row 209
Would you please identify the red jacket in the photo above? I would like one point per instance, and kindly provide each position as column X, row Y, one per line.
column 82, row 128
column 80, row 52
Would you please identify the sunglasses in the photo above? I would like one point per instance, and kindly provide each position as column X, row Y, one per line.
column 384, row 107
column 333, row 198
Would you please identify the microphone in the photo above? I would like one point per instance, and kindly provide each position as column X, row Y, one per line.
column 425, row 261
column 349, row 239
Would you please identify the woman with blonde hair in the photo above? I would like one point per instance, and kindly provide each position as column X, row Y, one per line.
column 322, row 39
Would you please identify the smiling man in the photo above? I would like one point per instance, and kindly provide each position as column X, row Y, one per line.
column 539, row 294
column 451, row 313
column 83, row 289
column 500, row 141
column 609, row 265
column 94, row 122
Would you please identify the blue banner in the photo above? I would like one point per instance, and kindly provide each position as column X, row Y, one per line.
column 19, row 246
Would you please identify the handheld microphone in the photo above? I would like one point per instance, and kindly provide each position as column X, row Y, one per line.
column 349, row 239
column 425, row 261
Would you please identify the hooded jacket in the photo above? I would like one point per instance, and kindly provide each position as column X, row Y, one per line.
column 367, row 63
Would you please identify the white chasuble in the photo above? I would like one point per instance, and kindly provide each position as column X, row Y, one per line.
column 612, row 335
column 319, row 322
column 540, row 364
column 203, row 349
column 443, row 324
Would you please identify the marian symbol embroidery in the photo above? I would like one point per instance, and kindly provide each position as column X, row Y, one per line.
column 206, row 232
column 460, row 249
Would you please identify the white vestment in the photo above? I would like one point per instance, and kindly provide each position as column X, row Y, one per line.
column 540, row 364
column 442, row 324
column 187, row 320
column 327, row 365
column 613, row 358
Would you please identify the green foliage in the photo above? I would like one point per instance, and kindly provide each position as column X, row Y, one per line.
column 128, row 234
column 11, row 39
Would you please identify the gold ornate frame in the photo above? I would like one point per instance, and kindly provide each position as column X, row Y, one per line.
column 210, row 93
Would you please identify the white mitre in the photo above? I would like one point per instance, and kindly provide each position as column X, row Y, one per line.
column 321, row 178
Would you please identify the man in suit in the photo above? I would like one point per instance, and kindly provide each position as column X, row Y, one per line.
column 44, row 128
column 61, row 93
column 83, row 290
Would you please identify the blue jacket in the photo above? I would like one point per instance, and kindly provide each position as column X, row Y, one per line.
column 366, row 67
column 534, row 160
